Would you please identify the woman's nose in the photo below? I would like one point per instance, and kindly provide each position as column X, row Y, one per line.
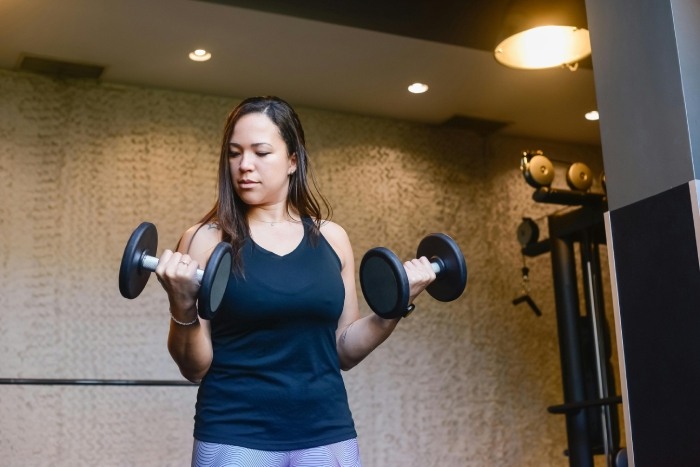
column 246, row 161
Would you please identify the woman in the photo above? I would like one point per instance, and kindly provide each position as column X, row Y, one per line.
column 269, row 362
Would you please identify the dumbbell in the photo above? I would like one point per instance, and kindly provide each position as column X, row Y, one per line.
column 138, row 262
column 385, row 284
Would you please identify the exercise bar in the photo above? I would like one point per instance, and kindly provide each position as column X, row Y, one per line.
column 94, row 382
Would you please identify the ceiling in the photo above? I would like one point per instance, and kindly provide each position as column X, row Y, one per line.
column 354, row 56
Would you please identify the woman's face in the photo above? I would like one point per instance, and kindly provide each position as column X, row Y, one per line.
column 259, row 161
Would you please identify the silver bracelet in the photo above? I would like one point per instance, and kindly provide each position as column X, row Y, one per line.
column 409, row 310
column 181, row 323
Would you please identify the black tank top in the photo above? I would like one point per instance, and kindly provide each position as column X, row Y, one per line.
column 275, row 382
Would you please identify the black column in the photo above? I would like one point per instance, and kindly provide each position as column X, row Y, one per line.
column 568, row 320
column 658, row 285
column 647, row 75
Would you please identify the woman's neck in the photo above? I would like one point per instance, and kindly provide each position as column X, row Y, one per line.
column 274, row 215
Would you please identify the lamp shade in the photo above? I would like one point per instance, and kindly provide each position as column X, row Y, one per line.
column 537, row 34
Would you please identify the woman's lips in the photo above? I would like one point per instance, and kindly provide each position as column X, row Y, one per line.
column 247, row 183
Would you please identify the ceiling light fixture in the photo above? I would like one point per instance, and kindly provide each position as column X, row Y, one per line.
column 538, row 34
column 418, row 88
column 592, row 115
column 200, row 55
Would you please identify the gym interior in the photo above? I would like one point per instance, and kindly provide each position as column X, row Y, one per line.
column 477, row 381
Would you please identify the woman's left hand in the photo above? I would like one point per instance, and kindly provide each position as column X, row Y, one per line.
column 420, row 274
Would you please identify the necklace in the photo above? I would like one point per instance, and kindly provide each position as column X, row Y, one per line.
column 271, row 224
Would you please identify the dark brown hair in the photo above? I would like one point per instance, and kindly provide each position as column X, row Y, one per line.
column 229, row 211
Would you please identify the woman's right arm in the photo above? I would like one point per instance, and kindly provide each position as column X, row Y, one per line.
column 189, row 345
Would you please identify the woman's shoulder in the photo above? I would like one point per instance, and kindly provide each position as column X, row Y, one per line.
column 338, row 238
column 200, row 238
column 333, row 230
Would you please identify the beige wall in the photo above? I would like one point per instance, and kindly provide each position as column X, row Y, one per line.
column 81, row 164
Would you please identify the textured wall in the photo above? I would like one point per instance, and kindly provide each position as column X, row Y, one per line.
column 81, row 164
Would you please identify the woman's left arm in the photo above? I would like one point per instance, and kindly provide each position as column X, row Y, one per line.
column 357, row 337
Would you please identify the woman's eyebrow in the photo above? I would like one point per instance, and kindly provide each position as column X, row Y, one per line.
column 255, row 145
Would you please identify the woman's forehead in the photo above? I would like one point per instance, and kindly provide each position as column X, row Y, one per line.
column 255, row 128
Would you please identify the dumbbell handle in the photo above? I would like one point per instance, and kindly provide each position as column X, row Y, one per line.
column 150, row 263
column 437, row 265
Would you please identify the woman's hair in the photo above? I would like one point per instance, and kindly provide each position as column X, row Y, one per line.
column 229, row 211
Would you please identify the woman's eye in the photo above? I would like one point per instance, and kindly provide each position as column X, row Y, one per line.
column 233, row 154
column 262, row 154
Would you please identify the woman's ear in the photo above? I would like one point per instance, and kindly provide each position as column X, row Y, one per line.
column 292, row 164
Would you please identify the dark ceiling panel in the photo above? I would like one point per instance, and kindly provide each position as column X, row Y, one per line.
column 466, row 23
column 58, row 68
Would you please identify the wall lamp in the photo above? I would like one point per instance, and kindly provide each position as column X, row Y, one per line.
column 538, row 34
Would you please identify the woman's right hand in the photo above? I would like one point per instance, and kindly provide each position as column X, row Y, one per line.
column 176, row 273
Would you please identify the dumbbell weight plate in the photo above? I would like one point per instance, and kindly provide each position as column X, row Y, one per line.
column 579, row 176
column 452, row 279
column 214, row 280
column 384, row 283
column 537, row 170
column 132, row 276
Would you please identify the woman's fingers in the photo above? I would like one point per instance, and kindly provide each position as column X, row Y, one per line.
column 177, row 274
column 420, row 274
column 175, row 264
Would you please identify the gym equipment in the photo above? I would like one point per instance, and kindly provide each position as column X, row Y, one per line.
column 579, row 176
column 537, row 169
column 524, row 296
column 584, row 338
column 592, row 424
column 621, row 458
column 94, row 382
column 139, row 261
column 539, row 172
column 528, row 232
column 385, row 284
column 603, row 182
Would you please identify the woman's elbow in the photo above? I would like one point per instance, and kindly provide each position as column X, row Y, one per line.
column 191, row 369
column 347, row 363
column 192, row 377
column 192, row 372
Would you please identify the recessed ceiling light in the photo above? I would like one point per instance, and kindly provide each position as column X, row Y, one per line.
column 200, row 55
column 592, row 115
column 418, row 88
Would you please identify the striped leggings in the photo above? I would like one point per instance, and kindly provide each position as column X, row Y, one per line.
column 342, row 454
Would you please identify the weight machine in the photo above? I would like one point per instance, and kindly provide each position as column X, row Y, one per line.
column 592, row 422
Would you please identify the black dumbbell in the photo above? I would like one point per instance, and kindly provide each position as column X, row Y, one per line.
column 138, row 262
column 385, row 284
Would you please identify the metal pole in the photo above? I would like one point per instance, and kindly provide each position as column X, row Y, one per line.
column 573, row 379
column 590, row 270
column 93, row 382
